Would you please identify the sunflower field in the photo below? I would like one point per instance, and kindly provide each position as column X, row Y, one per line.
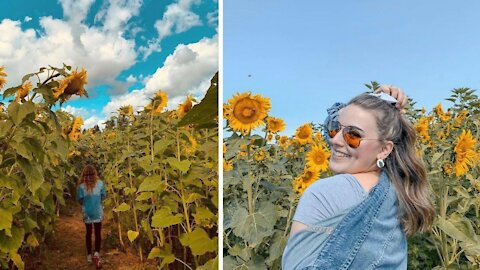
column 159, row 168
column 264, row 176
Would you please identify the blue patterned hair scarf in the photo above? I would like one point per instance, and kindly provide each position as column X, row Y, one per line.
column 331, row 118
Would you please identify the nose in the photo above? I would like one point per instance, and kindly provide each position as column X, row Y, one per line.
column 338, row 138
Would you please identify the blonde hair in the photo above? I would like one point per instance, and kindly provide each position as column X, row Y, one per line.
column 89, row 176
column 403, row 167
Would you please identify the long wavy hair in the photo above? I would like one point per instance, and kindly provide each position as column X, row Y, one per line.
column 404, row 168
column 90, row 177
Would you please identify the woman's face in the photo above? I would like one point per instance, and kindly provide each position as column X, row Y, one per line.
column 345, row 159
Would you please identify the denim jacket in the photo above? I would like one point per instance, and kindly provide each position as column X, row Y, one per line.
column 366, row 236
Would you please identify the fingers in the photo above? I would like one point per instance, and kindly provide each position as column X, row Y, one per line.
column 395, row 92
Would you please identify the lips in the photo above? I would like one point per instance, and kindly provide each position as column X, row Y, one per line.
column 338, row 154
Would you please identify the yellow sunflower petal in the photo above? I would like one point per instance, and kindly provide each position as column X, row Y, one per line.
column 246, row 112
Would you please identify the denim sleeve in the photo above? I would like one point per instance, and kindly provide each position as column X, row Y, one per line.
column 80, row 194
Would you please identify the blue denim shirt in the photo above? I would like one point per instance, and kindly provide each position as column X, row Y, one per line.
column 92, row 202
column 366, row 236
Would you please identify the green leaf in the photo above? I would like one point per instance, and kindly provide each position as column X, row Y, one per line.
column 436, row 156
column 147, row 229
column 13, row 243
column 17, row 260
column 206, row 111
column 450, row 229
column 160, row 146
column 154, row 253
column 277, row 245
column 18, row 112
column 199, row 242
column 10, row 91
column 203, row 215
column 129, row 190
column 6, row 219
column 210, row 265
column 26, row 77
column 183, row 165
column 193, row 197
column 151, row 183
column 122, row 208
column 144, row 196
column 32, row 240
column 164, row 218
column 165, row 253
column 132, row 235
column 33, row 173
column 5, row 127
column 254, row 227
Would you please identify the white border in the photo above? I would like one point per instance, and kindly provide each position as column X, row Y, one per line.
column 220, row 134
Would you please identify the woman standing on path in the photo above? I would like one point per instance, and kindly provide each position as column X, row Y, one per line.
column 91, row 193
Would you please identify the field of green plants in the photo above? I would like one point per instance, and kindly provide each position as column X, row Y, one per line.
column 264, row 176
column 159, row 168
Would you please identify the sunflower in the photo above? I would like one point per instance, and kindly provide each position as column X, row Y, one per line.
column 448, row 168
column 2, row 77
column 464, row 152
column 259, row 155
column 227, row 165
column 304, row 134
column 126, row 111
column 157, row 103
column 23, row 91
column 269, row 137
column 283, row 141
column 192, row 147
column 275, row 125
column 74, row 134
column 71, row 85
column 185, row 107
column 317, row 158
column 460, row 117
column 422, row 129
column 303, row 181
column 246, row 112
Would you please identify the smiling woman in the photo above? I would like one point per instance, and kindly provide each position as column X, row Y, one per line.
column 377, row 197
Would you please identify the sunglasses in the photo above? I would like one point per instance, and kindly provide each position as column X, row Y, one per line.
column 351, row 135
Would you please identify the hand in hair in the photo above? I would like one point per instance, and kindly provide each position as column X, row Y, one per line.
column 396, row 93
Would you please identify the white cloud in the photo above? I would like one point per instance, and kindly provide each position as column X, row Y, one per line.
column 90, row 117
column 187, row 71
column 103, row 54
column 212, row 17
column 92, row 121
column 76, row 10
column 27, row 19
column 77, row 111
column 177, row 18
column 117, row 13
column 132, row 79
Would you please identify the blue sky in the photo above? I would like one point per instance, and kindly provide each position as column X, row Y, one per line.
column 130, row 48
column 306, row 55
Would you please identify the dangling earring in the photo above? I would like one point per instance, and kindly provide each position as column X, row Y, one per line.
column 380, row 163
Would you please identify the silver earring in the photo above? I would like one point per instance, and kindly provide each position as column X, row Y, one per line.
column 380, row 163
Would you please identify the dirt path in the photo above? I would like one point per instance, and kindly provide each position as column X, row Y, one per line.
column 66, row 248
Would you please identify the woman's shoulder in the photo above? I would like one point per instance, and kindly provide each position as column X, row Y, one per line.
column 335, row 182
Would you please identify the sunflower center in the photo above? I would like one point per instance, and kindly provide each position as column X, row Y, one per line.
column 246, row 111
column 319, row 158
